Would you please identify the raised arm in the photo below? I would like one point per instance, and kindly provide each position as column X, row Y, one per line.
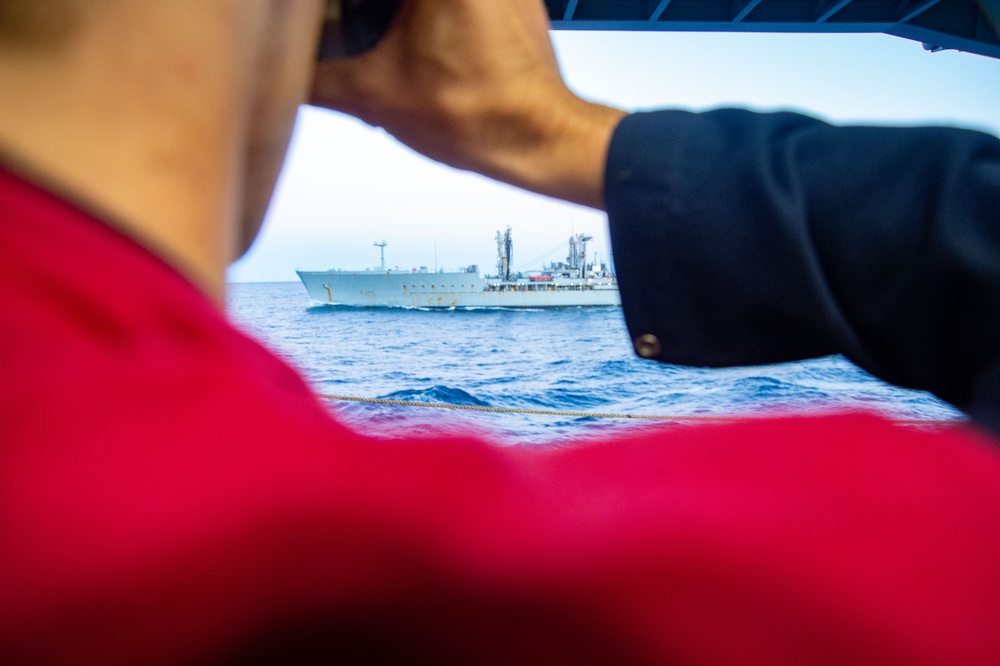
column 476, row 85
column 775, row 237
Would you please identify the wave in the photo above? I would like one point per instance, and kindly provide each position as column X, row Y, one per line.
column 444, row 394
column 571, row 400
column 768, row 389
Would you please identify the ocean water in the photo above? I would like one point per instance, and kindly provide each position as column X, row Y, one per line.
column 566, row 360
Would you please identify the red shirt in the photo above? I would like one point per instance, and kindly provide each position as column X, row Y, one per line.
column 170, row 490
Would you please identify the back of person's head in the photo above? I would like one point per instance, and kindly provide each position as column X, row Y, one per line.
column 171, row 119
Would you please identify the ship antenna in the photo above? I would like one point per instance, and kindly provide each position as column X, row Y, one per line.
column 381, row 246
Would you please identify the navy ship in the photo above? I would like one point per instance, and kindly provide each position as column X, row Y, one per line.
column 573, row 283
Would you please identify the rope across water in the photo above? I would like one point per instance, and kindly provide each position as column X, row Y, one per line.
column 595, row 415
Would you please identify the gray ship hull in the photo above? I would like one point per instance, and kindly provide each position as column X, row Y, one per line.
column 454, row 290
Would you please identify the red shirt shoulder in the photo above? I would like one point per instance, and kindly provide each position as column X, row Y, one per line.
column 170, row 490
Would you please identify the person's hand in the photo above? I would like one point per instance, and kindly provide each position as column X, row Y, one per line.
column 475, row 84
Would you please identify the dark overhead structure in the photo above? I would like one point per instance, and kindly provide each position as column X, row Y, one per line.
column 964, row 25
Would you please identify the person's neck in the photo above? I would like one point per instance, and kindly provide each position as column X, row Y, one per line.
column 152, row 137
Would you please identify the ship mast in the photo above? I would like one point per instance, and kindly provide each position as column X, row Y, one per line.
column 505, row 254
column 578, row 253
column 381, row 246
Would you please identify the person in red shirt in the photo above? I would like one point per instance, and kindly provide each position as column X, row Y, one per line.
column 170, row 491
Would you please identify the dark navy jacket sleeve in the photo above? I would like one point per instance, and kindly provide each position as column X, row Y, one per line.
column 743, row 238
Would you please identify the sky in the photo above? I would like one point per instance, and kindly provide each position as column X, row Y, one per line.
column 346, row 185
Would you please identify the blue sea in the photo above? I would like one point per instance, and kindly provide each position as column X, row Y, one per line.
column 566, row 360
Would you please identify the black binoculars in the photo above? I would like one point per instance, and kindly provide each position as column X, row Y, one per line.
column 352, row 27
